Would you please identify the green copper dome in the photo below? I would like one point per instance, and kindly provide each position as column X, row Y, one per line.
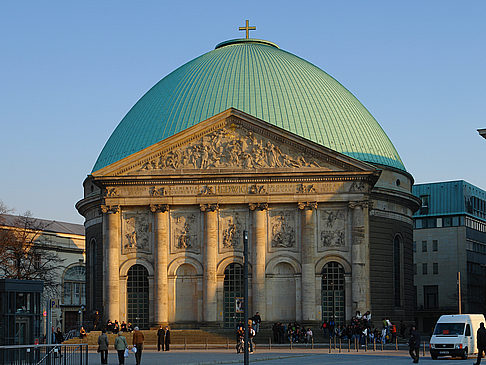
column 262, row 80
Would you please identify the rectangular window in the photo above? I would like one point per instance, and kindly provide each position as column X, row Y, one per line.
column 435, row 245
column 455, row 221
column 424, row 246
column 435, row 268
column 447, row 221
column 414, row 246
column 418, row 223
column 424, row 269
column 431, row 296
column 439, row 222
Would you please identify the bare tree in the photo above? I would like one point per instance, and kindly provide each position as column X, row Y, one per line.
column 23, row 253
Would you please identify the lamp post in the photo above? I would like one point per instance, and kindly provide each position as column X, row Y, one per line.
column 245, row 289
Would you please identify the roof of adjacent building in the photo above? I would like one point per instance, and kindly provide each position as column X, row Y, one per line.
column 451, row 198
column 45, row 225
column 258, row 78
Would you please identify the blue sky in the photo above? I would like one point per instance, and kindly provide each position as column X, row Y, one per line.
column 69, row 71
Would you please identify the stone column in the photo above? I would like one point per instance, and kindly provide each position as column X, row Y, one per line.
column 259, row 256
column 210, row 260
column 112, row 247
column 161, row 285
column 360, row 253
column 308, row 244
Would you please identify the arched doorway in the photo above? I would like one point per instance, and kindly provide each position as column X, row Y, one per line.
column 332, row 293
column 186, row 294
column 233, row 288
column 283, row 293
column 138, row 296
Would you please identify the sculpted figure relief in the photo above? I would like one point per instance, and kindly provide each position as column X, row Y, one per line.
column 135, row 232
column 283, row 231
column 184, row 236
column 229, row 148
column 232, row 234
column 332, row 228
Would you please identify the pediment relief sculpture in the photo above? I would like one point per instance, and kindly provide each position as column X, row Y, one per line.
column 231, row 148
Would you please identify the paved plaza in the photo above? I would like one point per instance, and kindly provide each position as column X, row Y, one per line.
column 277, row 356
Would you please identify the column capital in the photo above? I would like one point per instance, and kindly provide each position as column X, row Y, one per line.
column 209, row 207
column 361, row 204
column 307, row 205
column 259, row 206
column 159, row 208
column 109, row 209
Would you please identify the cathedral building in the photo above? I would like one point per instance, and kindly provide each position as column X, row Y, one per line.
column 248, row 137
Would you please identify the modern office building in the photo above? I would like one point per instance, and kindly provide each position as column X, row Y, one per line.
column 449, row 238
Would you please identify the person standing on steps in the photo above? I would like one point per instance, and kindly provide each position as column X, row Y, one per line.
column 414, row 344
column 166, row 338
column 103, row 346
column 481, row 340
column 137, row 341
column 160, row 338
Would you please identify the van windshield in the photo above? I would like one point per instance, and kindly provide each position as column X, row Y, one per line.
column 449, row 329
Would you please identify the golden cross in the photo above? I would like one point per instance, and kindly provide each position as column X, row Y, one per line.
column 247, row 28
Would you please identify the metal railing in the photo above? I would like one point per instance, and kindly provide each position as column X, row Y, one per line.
column 55, row 354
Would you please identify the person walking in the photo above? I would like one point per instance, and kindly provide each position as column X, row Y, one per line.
column 166, row 338
column 137, row 341
column 120, row 346
column 481, row 340
column 257, row 319
column 414, row 345
column 160, row 338
column 103, row 346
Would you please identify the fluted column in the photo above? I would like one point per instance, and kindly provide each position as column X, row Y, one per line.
column 308, row 258
column 161, row 288
column 360, row 253
column 259, row 257
column 112, row 247
column 210, row 260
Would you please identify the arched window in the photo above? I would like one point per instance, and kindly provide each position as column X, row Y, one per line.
column 74, row 286
column 138, row 296
column 332, row 293
column 397, row 270
column 232, row 288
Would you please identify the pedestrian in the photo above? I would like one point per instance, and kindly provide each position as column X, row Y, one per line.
column 160, row 338
column 257, row 319
column 103, row 346
column 251, row 334
column 481, row 340
column 120, row 347
column 414, row 344
column 59, row 336
column 166, row 338
column 137, row 341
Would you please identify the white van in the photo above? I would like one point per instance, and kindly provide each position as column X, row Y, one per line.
column 455, row 335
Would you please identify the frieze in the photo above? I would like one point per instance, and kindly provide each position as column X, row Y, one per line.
column 257, row 189
column 306, row 188
column 231, row 148
column 111, row 192
column 156, row 192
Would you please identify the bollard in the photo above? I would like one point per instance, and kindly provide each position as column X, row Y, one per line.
column 312, row 339
column 356, row 344
column 330, row 342
column 185, row 343
column 349, row 345
column 206, row 343
column 374, row 344
column 291, row 343
column 396, row 343
column 269, row 343
column 382, row 344
column 424, row 350
column 339, row 344
column 366, row 343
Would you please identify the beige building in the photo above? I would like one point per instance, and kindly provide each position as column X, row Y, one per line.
column 305, row 170
column 65, row 241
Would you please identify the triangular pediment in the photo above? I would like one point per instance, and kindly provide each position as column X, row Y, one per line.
column 229, row 142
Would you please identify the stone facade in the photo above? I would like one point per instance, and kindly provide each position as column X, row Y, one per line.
column 179, row 209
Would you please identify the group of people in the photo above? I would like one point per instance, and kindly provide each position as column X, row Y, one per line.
column 122, row 348
column 293, row 332
column 115, row 327
column 240, row 336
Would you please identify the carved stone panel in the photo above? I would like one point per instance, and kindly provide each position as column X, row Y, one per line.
column 185, row 231
column 332, row 228
column 232, row 225
column 136, row 231
column 232, row 148
column 283, row 229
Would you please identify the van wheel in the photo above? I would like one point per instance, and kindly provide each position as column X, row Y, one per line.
column 464, row 354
